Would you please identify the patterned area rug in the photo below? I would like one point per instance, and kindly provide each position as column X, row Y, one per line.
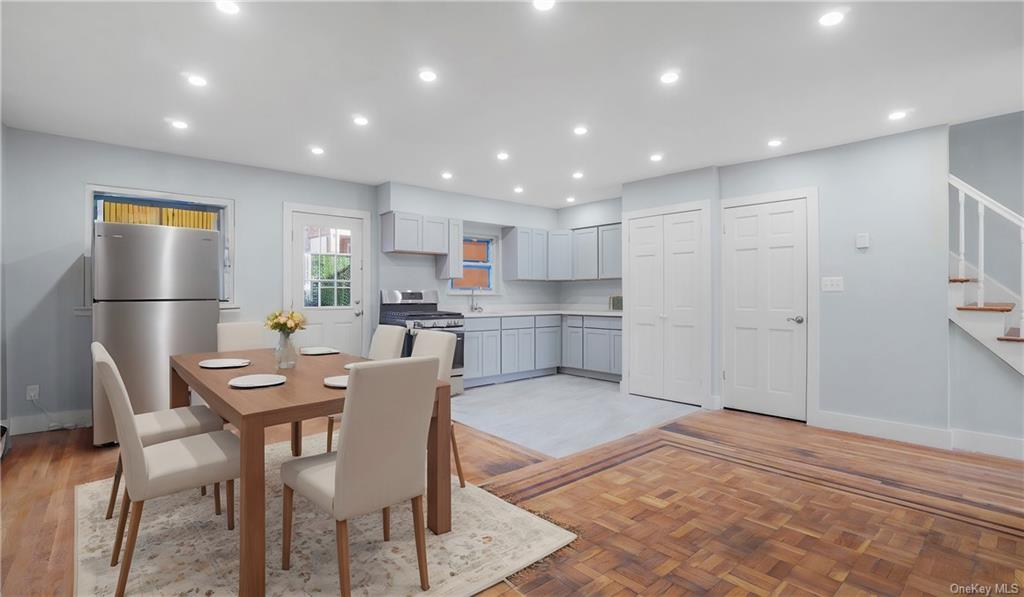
column 183, row 548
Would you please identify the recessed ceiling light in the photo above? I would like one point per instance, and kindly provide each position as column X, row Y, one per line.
column 577, row 175
column 226, row 7
column 179, row 124
column 317, row 150
column 427, row 75
column 580, row 129
column 502, row 155
column 898, row 115
column 360, row 120
column 831, row 19
column 570, row 199
column 446, row 175
column 543, row 5
column 774, row 142
column 518, row 189
column 196, row 80
column 656, row 157
column 669, row 77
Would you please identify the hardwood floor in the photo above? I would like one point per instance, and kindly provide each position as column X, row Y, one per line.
column 713, row 503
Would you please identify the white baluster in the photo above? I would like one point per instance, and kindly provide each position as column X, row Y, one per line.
column 981, row 254
column 961, row 264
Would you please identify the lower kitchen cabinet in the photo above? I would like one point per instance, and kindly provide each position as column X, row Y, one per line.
column 617, row 352
column 597, row 350
column 482, row 356
column 572, row 347
column 517, row 350
column 549, row 347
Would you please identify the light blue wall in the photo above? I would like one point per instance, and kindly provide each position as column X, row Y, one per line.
column 986, row 394
column 44, row 235
column 595, row 213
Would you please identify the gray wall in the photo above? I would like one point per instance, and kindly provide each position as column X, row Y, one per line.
column 44, row 237
column 989, row 155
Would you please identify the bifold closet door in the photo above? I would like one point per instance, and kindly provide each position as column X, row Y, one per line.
column 687, row 347
column 646, row 302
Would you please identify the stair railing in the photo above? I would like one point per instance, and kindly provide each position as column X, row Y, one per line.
column 985, row 203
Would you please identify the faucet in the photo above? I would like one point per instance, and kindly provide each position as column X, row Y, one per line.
column 473, row 306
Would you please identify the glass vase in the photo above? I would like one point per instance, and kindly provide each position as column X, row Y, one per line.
column 285, row 352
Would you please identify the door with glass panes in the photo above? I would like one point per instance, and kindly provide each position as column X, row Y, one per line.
column 327, row 278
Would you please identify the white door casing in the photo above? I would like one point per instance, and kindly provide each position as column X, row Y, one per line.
column 765, row 307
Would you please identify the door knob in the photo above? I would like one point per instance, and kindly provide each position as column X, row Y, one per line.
column 358, row 313
column 797, row 319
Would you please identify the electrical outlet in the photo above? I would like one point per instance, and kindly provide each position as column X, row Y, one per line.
column 32, row 393
column 833, row 284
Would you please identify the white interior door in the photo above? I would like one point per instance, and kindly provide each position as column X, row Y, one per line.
column 327, row 280
column 687, row 349
column 646, row 304
column 764, row 294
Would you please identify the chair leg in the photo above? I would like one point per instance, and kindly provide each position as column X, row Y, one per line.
column 113, row 489
column 216, row 499
column 330, row 433
column 386, row 519
column 341, row 533
column 421, row 540
column 120, row 529
column 231, row 504
column 129, row 548
column 202, row 490
column 286, row 529
column 458, row 461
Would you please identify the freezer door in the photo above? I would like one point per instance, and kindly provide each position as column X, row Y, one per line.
column 142, row 262
column 141, row 337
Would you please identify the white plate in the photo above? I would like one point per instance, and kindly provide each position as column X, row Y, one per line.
column 338, row 381
column 318, row 350
column 224, row 363
column 259, row 380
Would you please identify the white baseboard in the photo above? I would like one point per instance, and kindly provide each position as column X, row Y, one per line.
column 905, row 432
column 713, row 403
column 21, row 424
column 988, row 443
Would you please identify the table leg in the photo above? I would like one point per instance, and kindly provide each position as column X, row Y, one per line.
column 297, row 438
column 439, row 466
column 180, row 395
column 252, row 517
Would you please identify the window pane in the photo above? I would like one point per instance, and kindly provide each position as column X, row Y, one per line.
column 327, row 296
column 344, row 297
column 474, row 277
column 476, row 250
column 311, row 293
column 344, row 267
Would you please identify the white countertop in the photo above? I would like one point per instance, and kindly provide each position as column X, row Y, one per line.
column 512, row 313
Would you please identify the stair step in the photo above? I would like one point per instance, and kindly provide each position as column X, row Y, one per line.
column 962, row 280
column 1012, row 336
column 992, row 307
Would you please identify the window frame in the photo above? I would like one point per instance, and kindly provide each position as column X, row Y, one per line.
column 494, row 262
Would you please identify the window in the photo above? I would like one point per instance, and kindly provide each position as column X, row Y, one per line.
column 127, row 206
column 478, row 265
column 327, row 280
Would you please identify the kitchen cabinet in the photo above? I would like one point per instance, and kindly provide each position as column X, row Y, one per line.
column 524, row 254
column 517, row 344
column 403, row 232
column 617, row 352
column 482, row 354
column 548, row 347
column 584, row 254
column 449, row 266
column 572, row 345
column 539, row 271
column 597, row 350
column 435, row 235
column 526, row 358
column 559, row 255
column 610, row 251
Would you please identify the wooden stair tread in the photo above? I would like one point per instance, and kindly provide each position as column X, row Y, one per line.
column 962, row 280
column 1013, row 335
column 993, row 307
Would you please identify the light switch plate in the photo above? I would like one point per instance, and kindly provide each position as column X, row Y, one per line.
column 863, row 240
column 832, row 284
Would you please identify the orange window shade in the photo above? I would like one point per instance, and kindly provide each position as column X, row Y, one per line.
column 474, row 250
column 472, row 278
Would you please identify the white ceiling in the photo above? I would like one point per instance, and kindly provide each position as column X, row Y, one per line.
column 285, row 76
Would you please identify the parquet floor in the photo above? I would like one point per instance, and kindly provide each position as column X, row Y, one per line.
column 713, row 503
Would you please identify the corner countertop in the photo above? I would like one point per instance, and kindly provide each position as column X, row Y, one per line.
column 513, row 313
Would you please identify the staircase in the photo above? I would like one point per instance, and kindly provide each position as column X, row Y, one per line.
column 982, row 307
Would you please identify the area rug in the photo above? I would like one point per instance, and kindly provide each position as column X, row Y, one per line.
column 183, row 548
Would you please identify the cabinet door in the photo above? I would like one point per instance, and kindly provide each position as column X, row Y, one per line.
column 435, row 235
column 610, row 247
column 584, row 254
column 490, row 353
column 524, row 253
column 449, row 266
column 473, row 355
column 408, row 232
column 617, row 352
column 525, row 361
column 539, row 267
column 597, row 350
column 509, row 351
column 560, row 255
column 572, row 347
column 548, row 347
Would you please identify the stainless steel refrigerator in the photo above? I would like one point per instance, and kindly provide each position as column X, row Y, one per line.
column 156, row 293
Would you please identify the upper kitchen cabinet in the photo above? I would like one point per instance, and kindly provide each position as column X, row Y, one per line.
column 560, row 255
column 584, row 254
column 524, row 254
column 403, row 232
column 449, row 266
column 610, row 251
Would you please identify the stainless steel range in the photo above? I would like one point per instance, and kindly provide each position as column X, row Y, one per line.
column 417, row 309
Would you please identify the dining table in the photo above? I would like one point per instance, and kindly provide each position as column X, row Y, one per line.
column 302, row 396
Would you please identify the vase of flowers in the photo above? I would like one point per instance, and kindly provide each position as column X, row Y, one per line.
column 286, row 324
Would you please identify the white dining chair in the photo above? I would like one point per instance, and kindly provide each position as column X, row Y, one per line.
column 381, row 456
column 242, row 335
column 165, row 425
column 427, row 343
column 387, row 343
column 160, row 469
